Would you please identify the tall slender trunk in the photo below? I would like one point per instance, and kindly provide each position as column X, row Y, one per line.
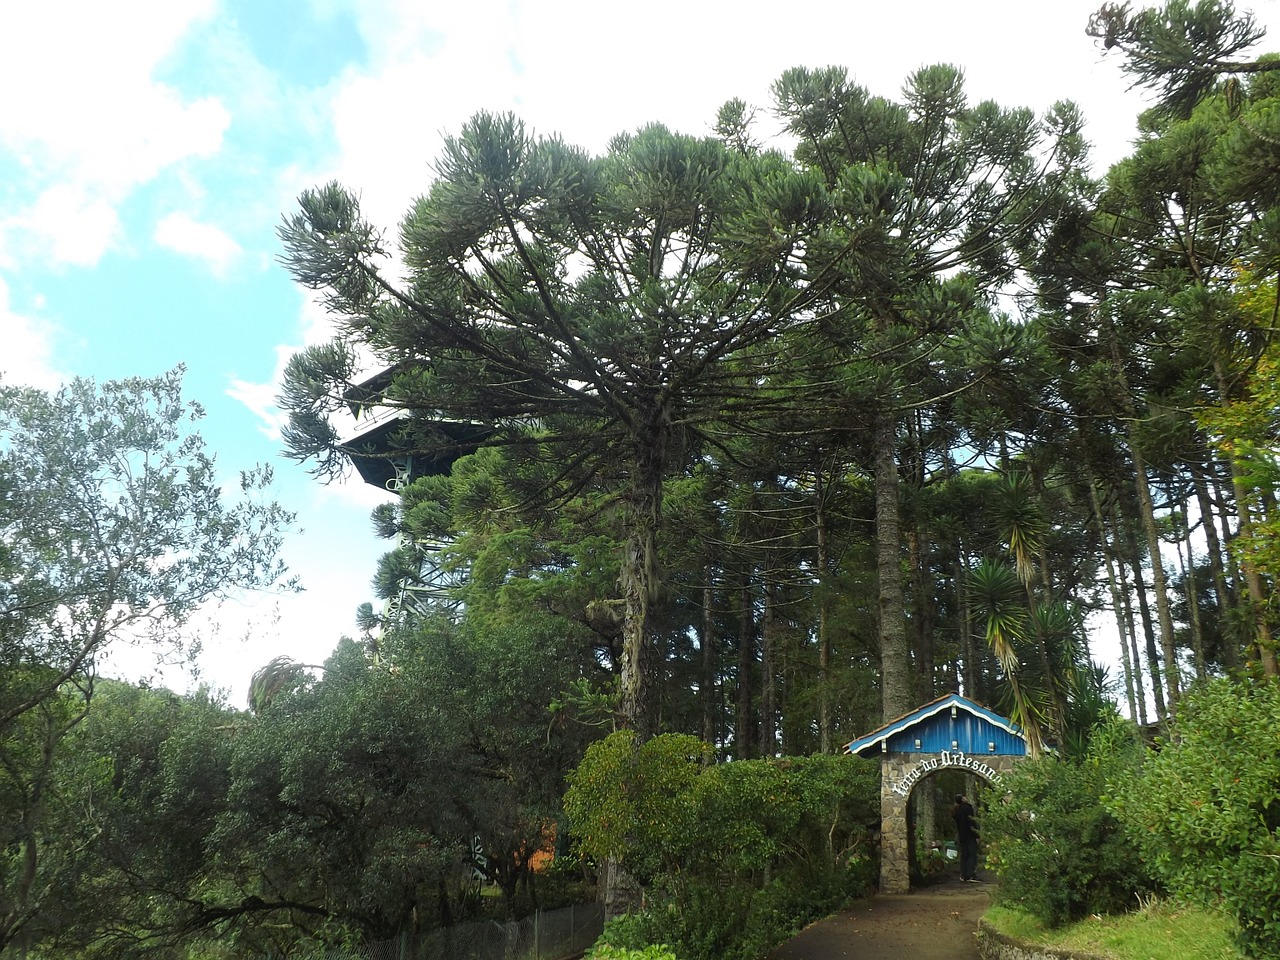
column 1240, row 609
column 1188, row 570
column 708, row 640
column 640, row 581
column 1155, row 673
column 895, row 651
column 824, row 638
column 1054, row 683
column 1116, row 607
column 1217, row 572
column 743, row 734
column 1147, row 516
column 1159, row 582
column 922, row 622
column 1131, row 625
column 768, row 668
column 970, row 645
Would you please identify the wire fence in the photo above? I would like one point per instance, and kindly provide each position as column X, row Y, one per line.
column 546, row 935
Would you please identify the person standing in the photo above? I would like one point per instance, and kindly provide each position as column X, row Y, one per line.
column 966, row 839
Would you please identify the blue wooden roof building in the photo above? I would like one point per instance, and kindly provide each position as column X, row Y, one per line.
column 951, row 723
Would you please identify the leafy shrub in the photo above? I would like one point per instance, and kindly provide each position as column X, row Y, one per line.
column 709, row 920
column 1206, row 810
column 736, row 857
column 1059, row 853
column 633, row 802
column 648, row 953
column 604, row 951
column 629, row 937
column 930, row 865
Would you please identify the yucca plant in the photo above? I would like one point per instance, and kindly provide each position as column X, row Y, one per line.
column 999, row 599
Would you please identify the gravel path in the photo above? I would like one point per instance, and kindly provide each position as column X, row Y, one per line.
column 935, row 923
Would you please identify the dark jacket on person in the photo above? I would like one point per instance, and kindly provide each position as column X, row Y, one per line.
column 966, row 829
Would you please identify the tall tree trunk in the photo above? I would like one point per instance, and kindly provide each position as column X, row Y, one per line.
column 1188, row 570
column 1131, row 626
column 895, row 652
column 1147, row 517
column 1241, row 614
column 1155, row 673
column 768, row 667
column 743, row 734
column 1114, row 585
column 1159, row 583
column 922, row 606
column 1226, row 622
column 970, row 643
column 824, row 638
column 640, row 581
column 709, row 697
column 1054, row 683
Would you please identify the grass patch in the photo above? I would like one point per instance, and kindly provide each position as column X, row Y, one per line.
column 1160, row 931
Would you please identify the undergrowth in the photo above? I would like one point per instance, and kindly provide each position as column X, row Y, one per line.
column 1160, row 930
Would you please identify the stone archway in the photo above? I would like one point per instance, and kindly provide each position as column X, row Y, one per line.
column 899, row 775
column 948, row 733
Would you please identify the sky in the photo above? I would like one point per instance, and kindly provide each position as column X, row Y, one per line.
column 149, row 148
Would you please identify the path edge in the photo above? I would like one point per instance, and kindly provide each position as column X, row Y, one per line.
column 994, row 945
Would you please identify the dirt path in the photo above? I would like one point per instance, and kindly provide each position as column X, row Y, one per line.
column 936, row 923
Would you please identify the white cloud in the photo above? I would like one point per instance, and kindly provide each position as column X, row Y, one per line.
column 27, row 357
column 260, row 399
column 74, row 224
column 588, row 70
column 85, row 112
column 316, row 327
column 201, row 241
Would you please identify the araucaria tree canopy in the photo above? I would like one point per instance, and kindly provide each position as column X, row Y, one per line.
column 596, row 311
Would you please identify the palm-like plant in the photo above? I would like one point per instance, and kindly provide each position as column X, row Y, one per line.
column 999, row 600
column 281, row 673
column 1021, row 521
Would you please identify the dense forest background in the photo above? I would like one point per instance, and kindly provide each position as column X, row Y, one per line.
column 692, row 437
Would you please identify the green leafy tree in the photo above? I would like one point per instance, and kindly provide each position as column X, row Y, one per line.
column 354, row 801
column 1204, row 811
column 1197, row 200
column 1059, row 853
column 115, row 530
column 1244, row 429
column 142, row 781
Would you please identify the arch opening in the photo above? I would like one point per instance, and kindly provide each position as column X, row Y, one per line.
column 933, row 850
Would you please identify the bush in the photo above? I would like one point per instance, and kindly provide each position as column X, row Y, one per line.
column 602, row 951
column 648, row 953
column 735, row 857
column 708, row 920
column 1206, row 810
column 1059, row 853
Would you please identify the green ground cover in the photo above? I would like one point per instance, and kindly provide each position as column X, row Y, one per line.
column 1162, row 930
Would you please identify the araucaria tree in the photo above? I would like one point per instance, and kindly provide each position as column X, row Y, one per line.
column 1182, row 50
column 589, row 311
column 934, row 197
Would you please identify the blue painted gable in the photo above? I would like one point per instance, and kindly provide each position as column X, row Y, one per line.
column 948, row 723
